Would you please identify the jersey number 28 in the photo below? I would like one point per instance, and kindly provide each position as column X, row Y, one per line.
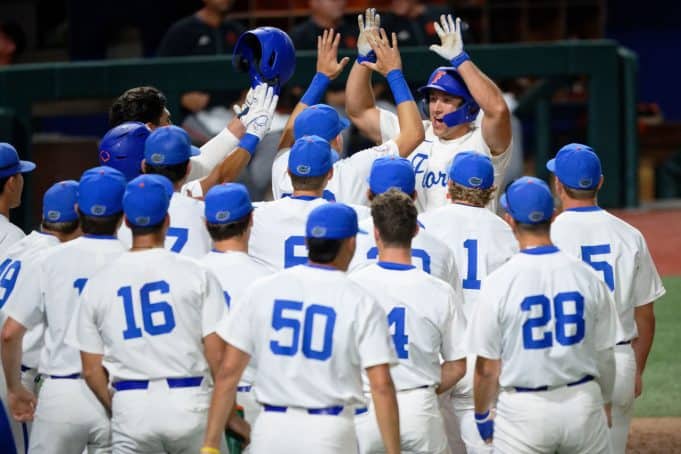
column 569, row 326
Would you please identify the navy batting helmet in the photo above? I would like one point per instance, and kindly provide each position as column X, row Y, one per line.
column 447, row 79
column 122, row 148
column 267, row 53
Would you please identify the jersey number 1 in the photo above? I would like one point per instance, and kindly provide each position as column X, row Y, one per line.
column 132, row 331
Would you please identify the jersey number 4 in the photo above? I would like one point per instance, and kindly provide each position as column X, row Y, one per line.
column 397, row 319
column 163, row 323
column 286, row 316
column 569, row 326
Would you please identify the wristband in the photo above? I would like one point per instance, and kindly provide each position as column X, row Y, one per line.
column 316, row 90
column 248, row 142
column 209, row 450
column 485, row 425
column 370, row 57
column 399, row 87
column 462, row 57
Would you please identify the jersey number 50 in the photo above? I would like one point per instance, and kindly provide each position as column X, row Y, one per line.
column 564, row 335
column 163, row 308
column 280, row 321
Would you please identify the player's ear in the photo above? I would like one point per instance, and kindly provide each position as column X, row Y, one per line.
column 143, row 166
column 127, row 223
column 377, row 236
column 413, row 195
column 509, row 220
column 330, row 174
column 370, row 195
column 189, row 167
column 416, row 229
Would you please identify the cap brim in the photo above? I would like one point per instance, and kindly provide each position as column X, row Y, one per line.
column 551, row 165
column 26, row 166
column 363, row 232
column 195, row 151
column 503, row 202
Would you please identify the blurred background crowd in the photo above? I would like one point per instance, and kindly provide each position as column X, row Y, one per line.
column 38, row 31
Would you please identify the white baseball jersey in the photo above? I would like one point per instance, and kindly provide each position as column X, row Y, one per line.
column 187, row 233
column 431, row 160
column 545, row 314
column 147, row 312
column 235, row 272
column 617, row 251
column 18, row 285
column 312, row 331
column 9, row 234
column 349, row 181
column 59, row 276
column 428, row 253
column 425, row 317
column 480, row 240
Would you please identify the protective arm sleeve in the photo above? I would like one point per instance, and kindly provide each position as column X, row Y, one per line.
column 212, row 153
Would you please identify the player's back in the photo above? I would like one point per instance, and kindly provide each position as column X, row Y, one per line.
column 422, row 312
column 312, row 331
column 9, row 234
column 278, row 233
column 64, row 272
column 480, row 241
column 151, row 307
column 428, row 253
column 617, row 251
column 187, row 234
column 553, row 315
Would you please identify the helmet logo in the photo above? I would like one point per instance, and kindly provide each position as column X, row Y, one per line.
column 104, row 156
column 437, row 76
column 98, row 210
column 536, row 216
column 475, row 181
column 53, row 215
column 585, row 182
column 142, row 220
column 222, row 215
column 303, row 169
column 157, row 158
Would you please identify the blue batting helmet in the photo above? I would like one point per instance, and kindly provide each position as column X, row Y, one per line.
column 267, row 53
column 447, row 79
column 122, row 148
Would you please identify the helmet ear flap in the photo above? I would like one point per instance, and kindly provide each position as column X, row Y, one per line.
column 424, row 108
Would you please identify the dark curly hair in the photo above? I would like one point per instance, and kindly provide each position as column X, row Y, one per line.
column 143, row 104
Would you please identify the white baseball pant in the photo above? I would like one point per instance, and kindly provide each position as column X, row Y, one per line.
column 245, row 397
column 622, row 397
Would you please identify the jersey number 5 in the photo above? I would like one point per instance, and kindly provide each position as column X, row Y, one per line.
column 602, row 266
column 569, row 326
column 163, row 308
column 325, row 315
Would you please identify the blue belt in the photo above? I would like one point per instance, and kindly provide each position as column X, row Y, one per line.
column 71, row 377
column 334, row 411
column 244, row 389
column 584, row 379
column 185, row 382
column 624, row 342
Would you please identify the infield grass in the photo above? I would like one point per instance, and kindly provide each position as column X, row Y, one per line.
column 662, row 378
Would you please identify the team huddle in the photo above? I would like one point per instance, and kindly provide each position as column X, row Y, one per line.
column 377, row 305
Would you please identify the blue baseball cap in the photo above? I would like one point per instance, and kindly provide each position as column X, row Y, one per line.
column 472, row 170
column 319, row 120
column 10, row 164
column 100, row 191
column 122, row 148
column 310, row 156
column 576, row 166
column 332, row 221
column 528, row 200
column 147, row 199
column 59, row 202
column 227, row 203
column 392, row 172
column 167, row 146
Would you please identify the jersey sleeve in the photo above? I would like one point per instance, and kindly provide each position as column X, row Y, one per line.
column 647, row 285
column 389, row 124
column 454, row 338
column 484, row 330
column 214, row 305
column 83, row 332
column 608, row 328
column 193, row 189
column 281, row 181
column 212, row 152
column 25, row 303
column 373, row 337
column 237, row 328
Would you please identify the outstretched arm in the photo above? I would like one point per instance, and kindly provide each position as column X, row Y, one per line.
column 328, row 68
column 360, row 103
column 496, row 123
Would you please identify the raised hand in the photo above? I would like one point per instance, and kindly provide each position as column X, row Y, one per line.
column 258, row 118
column 251, row 97
column 450, row 37
column 387, row 56
column 371, row 21
column 327, row 54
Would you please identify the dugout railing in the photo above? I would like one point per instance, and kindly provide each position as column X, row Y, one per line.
column 611, row 72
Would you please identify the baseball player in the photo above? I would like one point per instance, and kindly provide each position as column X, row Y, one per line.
column 428, row 253
column 453, row 97
column 59, row 224
column 229, row 219
column 150, row 315
column 11, row 187
column 310, row 118
column 311, row 331
column 543, row 330
column 427, row 321
column 68, row 417
column 618, row 252
column 481, row 242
